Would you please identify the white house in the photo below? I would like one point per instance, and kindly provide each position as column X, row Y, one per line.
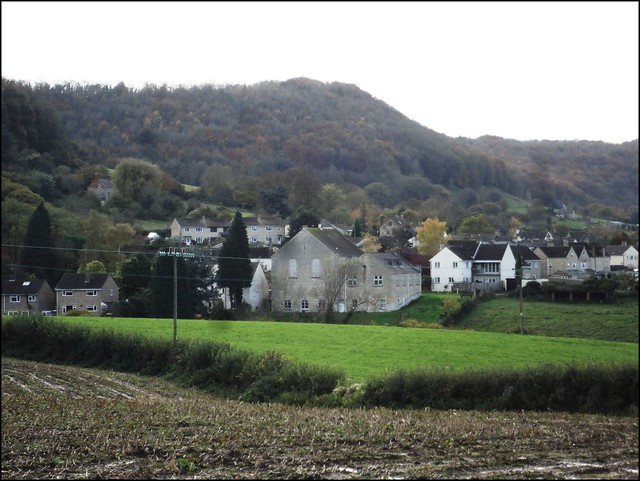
column 622, row 256
column 483, row 266
column 450, row 266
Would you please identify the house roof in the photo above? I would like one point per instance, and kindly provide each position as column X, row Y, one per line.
column 526, row 253
column 25, row 287
column 203, row 222
column 555, row 251
column 335, row 241
column 392, row 262
column 84, row 280
column 102, row 183
column 617, row 250
column 264, row 220
column 489, row 252
column 463, row 251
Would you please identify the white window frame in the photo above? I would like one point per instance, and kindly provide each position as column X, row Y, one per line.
column 304, row 305
column 67, row 293
column 92, row 308
column 287, row 304
column 32, row 298
column 377, row 280
column 14, row 298
column 92, row 293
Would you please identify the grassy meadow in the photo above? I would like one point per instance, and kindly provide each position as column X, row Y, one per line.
column 364, row 352
column 616, row 321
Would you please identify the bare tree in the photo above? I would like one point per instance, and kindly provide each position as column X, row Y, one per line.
column 334, row 275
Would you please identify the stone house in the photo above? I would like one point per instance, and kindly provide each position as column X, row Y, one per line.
column 30, row 295
column 94, row 292
column 320, row 266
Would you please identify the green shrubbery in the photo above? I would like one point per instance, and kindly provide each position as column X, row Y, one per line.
column 590, row 389
column 269, row 377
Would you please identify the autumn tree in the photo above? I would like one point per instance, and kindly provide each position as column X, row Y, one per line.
column 234, row 266
column 95, row 266
column 431, row 235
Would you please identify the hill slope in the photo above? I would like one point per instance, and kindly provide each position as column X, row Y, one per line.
column 335, row 132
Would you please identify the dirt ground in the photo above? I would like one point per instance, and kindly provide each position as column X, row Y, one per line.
column 61, row 422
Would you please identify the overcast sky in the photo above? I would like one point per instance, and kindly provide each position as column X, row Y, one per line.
column 522, row 70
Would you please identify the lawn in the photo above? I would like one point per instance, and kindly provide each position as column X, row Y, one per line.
column 363, row 352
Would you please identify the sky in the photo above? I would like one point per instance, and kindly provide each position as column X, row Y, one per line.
column 518, row 70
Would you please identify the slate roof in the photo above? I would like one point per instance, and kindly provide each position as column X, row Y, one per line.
column 616, row 250
column 263, row 220
column 392, row 262
column 490, row 252
column 72, row 281
column 463, row 251
column 101, row 183
column 25, row 288
column 555, row 251
column 526, row 253
column 336, row 242
column 203, row 222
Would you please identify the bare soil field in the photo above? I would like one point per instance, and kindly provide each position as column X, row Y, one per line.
column 61, row 422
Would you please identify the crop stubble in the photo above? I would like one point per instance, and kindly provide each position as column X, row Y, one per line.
column 67, row 422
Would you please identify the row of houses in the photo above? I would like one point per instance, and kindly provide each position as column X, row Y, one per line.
column 473, row 266
column 89, row 291
column 321, row 265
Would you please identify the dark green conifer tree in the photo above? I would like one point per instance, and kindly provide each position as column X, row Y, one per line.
column 234, row 265
column 37, row 256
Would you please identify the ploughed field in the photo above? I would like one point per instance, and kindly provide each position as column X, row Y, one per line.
column 68, row 422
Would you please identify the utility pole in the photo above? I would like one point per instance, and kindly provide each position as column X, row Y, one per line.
column 175, row 253
column 519, row 280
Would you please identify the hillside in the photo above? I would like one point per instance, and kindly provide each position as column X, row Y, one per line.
column 336, row 133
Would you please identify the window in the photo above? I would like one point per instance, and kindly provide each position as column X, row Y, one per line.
column 32, row 298
column 254, row 228
column 354, row 304
column 315, row 268
column 67, row 293
column 268, row 239
column 92, row 293
column 92, row 308
column 14, row 298
column 382, row 305
column 304, row 305
column 254, row 238
column 436, row 265
column 322, row 304
column 352, row 282
column 377, row 281
column 186, row 229
column 268, row 228
column 199, row 240
column 293, row 268
column 198, row 229
column 436, row 280
column 455, row 264
column 451, row 279
column 287, row 305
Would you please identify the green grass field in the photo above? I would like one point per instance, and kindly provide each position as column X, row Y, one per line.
column 364, row 352
column 617, row 321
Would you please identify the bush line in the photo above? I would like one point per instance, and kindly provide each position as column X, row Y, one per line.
column 221, row 369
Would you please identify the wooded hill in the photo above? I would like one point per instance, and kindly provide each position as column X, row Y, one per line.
column 268, row 134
